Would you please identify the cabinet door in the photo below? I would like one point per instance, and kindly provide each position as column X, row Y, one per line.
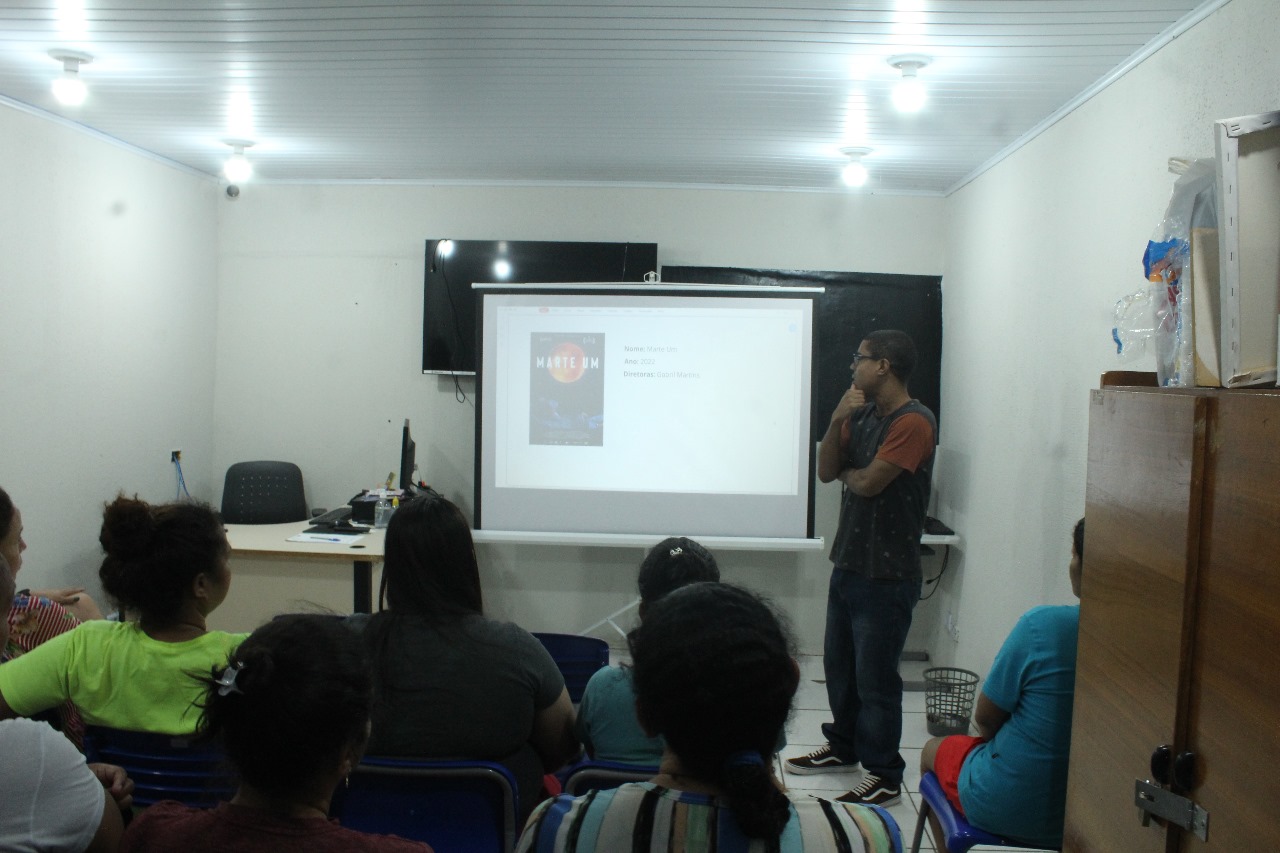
column 1235, row 677
column 1142, row 509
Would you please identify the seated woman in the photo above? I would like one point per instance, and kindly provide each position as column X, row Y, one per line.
column 607, row 724
column 1012, row 781
column 291, row 709
column 448, row 682
column 50, row 800
column 714, row 676
column 36, row 614
column 168, row 564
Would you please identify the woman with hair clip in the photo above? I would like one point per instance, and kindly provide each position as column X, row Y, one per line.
column 607, row 724
column 449, row 682
column 714, row 675
column 168, row 565
column 291, row 710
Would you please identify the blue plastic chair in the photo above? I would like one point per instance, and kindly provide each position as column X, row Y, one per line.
column 594, row 775
column 164, row 767
column 958, row 834
column 577, row 657
column 451, row 805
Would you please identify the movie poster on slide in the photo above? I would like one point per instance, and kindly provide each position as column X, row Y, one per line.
column 566, row 389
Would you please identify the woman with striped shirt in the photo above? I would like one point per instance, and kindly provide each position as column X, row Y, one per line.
column 714, row 675
column 36, row 616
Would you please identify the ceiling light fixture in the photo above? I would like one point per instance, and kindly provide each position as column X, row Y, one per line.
column 855, row 174
column 69, row 89
column 238, row 169
column 909, row 95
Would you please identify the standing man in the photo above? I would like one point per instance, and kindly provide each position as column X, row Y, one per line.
column 880, row 446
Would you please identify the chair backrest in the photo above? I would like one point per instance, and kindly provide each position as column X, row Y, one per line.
column 163, row 767
column 593, row 775
column 451, row 805
column 263, row 493
column 577, row 657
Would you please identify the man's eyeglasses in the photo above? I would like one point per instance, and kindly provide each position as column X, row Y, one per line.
column 859, row 357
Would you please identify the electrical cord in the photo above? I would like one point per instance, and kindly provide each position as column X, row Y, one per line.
column 946, row 557
column 182, row 481
column 436, row 264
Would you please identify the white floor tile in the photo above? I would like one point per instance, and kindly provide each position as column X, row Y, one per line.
column 911, row 774
column 812, row 696
column 804, row 734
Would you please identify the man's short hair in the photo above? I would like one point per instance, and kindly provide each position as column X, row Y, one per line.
column 896, row 347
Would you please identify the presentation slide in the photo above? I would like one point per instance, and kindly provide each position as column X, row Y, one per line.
column 636, row 411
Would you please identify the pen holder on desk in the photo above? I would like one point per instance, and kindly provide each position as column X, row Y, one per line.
column 382, row 513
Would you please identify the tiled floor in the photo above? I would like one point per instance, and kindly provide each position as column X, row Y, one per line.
column 804, row 734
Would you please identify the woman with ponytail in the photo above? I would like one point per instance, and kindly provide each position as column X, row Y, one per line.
column 714, row 675
column 291, row 710
column 166, row 567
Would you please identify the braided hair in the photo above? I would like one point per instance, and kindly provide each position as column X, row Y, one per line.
column 715, row 674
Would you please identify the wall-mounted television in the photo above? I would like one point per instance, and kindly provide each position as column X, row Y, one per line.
column 452, row 266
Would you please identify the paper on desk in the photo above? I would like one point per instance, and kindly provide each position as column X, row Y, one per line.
column 325, row 537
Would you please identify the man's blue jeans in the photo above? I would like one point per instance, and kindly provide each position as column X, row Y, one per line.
column 867, row 624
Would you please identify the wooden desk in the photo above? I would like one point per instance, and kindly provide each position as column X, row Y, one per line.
column 266, row 541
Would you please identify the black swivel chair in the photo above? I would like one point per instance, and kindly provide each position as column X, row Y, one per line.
column 263, row 493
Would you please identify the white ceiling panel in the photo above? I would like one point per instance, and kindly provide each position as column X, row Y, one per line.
column 744, row 94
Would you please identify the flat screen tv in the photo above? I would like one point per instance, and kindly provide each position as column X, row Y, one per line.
column 452, row 266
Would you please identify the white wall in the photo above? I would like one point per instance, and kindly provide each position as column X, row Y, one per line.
column 319, row 348
column 107, row 281
column 1038, row 251
column 109, row 265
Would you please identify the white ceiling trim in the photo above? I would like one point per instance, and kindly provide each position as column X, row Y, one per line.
column 62, row 121
column 1181, row 26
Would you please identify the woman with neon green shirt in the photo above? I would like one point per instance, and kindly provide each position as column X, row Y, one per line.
column 167, row 565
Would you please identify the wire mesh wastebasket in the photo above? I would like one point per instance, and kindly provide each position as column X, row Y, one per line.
column 948, row 699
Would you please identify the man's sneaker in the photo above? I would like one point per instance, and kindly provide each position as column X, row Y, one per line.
column 874, row 791
column 821, row 760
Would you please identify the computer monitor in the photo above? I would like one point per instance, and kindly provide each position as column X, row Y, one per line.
column 407, row 451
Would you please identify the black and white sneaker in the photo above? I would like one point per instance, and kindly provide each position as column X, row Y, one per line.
column 874, row 791
column 821, row 760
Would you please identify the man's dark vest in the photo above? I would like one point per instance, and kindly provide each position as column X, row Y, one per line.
column 880, row 537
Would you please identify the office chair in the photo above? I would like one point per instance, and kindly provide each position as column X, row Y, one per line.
column 577, row 658
column 594, row 775
column 451, row 805
column 958, row 834
column 163, row 767
column 263, row 493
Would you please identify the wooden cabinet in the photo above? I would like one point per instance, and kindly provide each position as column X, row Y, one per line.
column 1179, row 620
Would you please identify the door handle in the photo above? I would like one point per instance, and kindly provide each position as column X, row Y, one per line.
column 1161, row 759
column 1184, row 771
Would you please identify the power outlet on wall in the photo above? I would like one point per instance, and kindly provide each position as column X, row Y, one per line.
column 953, row 627
column 175, row 455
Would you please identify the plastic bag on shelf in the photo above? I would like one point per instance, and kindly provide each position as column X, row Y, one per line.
column 1135, row 323
column 1164, row 306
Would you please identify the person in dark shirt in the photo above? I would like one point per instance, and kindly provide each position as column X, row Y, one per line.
column 880, row 446
column 291, row 709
